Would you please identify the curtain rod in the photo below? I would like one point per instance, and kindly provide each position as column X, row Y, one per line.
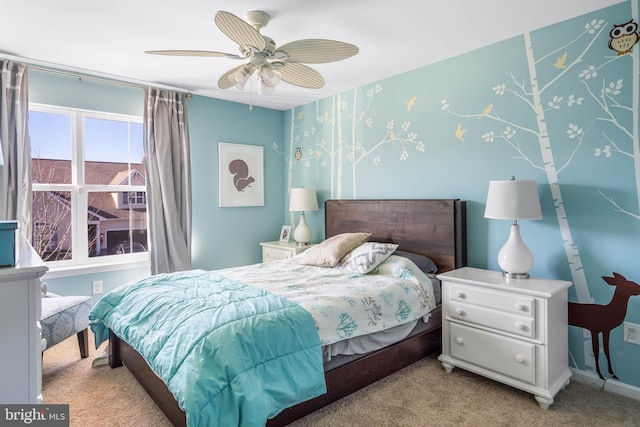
column 83, row 74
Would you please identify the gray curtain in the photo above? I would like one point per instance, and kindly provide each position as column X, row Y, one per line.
column 166, row 143
column 15, row 170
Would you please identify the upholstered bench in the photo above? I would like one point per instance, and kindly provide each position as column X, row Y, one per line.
column 64, row 316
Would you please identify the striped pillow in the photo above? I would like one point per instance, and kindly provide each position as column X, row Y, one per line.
column 366, row 257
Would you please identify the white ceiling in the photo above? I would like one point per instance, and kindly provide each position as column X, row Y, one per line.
column 108, row 38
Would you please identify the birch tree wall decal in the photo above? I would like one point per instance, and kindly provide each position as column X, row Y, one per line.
column 343, row 150
column 346, row 149
column 606, row 96
column 533, row 94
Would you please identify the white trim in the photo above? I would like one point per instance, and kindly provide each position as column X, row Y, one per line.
column 79, row 270
column 50, row 67
column 612, row 385
column 83, row 263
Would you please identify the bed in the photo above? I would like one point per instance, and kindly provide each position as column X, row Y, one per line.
column 434, row 228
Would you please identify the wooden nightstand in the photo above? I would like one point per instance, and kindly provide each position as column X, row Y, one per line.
column 510, row 330
column 273, row 251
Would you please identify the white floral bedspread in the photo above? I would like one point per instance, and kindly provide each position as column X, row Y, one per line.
column 345, row 304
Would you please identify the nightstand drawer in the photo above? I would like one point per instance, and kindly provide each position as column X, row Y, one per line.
column 512, row 323
column 274, row 251
column 522, row 305
column 273, row 254
column 506, row 356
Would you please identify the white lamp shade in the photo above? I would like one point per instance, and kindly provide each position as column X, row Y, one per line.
column 263, row 89
column 269, row 75
column 242, row 75
column 303, row 199
column 513, row 199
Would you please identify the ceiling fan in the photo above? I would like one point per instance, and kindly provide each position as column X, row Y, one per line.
column 272, row 63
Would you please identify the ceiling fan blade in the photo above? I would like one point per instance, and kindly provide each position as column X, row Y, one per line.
column 301, row 75
column 317, row 51
column 194, row 53
column 238, row 30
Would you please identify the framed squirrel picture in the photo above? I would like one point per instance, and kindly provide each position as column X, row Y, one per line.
column 241, row 175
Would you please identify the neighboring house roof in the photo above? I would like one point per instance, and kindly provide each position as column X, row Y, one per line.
column 101, row 205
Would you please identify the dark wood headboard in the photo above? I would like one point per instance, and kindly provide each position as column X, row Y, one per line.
column 432, row 227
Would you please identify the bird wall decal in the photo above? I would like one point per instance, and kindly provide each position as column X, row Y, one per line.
column 560, row 62
column 486, row 111
column 411, row 103
column 460, row 132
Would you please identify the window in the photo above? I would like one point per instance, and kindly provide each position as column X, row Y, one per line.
column 89, row 186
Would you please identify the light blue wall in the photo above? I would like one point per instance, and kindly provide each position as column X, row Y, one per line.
column 423, row 134
column 230, row 236
column 222, row 237
column 409, row 149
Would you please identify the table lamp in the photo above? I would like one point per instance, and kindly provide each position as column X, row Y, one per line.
column 514, row 199
column 302, row 199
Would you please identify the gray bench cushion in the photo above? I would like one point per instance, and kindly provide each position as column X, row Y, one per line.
column 63, row 317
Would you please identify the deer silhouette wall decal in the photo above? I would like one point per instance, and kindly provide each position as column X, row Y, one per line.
column 601, row 319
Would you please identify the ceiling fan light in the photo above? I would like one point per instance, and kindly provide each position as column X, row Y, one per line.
column 264, row 89
column 270, row 76
column 241, row 76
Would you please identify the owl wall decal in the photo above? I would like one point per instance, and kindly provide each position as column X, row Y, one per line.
column 298, row 154
column 624, row 37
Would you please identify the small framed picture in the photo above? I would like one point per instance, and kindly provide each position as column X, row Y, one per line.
column 285, row 234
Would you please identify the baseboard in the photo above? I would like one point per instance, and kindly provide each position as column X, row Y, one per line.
column 612, row 385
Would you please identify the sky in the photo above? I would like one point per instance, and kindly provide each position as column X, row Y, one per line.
column 105, row 140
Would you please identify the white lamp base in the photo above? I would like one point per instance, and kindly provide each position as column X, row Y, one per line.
column 515, row 258
column 302, row 233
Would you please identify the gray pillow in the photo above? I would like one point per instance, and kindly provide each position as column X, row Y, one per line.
column 424, row 263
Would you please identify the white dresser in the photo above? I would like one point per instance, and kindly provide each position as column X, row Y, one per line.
column 273, row 251
column 20, row 332
column 510, row 330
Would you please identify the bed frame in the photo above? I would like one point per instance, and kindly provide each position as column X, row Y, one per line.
column 432, row 227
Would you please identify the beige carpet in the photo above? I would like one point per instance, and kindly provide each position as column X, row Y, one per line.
column 420, row 395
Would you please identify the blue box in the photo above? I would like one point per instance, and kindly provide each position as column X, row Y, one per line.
column 8, row 243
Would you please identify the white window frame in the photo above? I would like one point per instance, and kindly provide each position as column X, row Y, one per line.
column 79, row 200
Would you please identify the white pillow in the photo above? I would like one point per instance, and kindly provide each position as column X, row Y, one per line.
column 366, row 257
column 330, row 251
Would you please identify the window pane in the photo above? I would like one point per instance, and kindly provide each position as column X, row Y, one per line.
column 52, row 237
column 110, row 147
column 50, row 136
column 114, row 229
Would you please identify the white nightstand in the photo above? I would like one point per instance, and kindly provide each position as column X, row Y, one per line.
column 273, row 251
column 510, row 330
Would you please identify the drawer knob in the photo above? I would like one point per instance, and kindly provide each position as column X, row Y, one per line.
column 521, row 327
column 459, row 340
column 459, row 311
column 44, row 288
column 521, row 307
column 460, row 295
column 519, row 358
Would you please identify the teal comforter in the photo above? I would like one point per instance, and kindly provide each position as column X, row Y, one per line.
column 231, row 354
